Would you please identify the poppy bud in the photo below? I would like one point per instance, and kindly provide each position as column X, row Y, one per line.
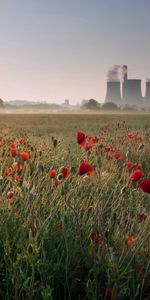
column 81, row 138
column 24, row 156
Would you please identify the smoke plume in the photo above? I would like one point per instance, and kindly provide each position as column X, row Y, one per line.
column 114, row 73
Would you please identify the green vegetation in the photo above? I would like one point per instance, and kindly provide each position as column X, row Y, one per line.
column 77, row 236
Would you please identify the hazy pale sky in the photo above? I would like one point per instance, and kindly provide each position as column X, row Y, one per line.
column 61, row 49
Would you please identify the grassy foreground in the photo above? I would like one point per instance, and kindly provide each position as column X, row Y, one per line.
column 73, row 236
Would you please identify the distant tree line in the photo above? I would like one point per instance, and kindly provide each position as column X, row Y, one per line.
column 92, row 104
column 1, row 103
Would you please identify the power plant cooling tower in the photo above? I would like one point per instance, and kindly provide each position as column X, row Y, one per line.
column 130, row 94
column 147, row 94
column 131, row 91
column 113, row 93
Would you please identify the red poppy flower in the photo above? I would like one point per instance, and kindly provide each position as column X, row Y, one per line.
column 65, row 172
column 20, row 168
column 21, row 141
column 24, row 156
column 130, row 240
column 140, row 138
column 119, row 156
column 10, row 197
column 102, row 139
column 106, row 149
column 130, row 166
column 53, row 173
column 88, row 147
column 96, row 139
column 12, row 146
column 85, row 168
column 139, row 166
column 137, row 175
column 81, row 138
column 105, row 131
column 91, row 139
column 145, row 185
column 8, row 172
column 130, row 136
column 16, row 177
column 96, row 238
column 142, row 216
column 14, row 152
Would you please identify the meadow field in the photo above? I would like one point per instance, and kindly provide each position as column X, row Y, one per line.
column 75, row 206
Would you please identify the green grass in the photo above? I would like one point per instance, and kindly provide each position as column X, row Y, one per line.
column 67, row 239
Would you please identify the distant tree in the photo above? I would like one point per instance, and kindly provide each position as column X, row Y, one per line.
column 91, row 104
column 129, row 108
column 1, row 103
column 110, row 106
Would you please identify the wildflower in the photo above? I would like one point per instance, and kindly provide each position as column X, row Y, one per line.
column 65, row 172
column 7, row 172
column 119, row 156
column 53, row 173
column 14, row 152
column 20, row 168
column 85, row 168
column 16, row 178
column 91, row 139
column 139, row 166
column 96, row 238
column 81, row 138
column 106, row 149
column 130, row 166
column 130, row 136
column 101, row 139
column 61, row 227
column 88, row 147
column 21, row 141
column 105, row 131
column 145, row 185
column 142, row 216
column 137, row 175
column 12, row 146
column 10, row 196
column 130, row 240
column 24, row 156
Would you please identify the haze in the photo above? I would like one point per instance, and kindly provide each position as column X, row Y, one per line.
column 55, row 50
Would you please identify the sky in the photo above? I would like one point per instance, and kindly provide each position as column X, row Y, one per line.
column 52, row 50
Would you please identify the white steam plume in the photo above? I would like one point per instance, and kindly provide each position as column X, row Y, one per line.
column 114, row 73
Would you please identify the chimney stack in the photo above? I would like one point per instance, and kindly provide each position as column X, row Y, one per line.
column 147, row 94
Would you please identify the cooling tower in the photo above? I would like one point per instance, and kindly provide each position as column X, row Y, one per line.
column 147, row 94
column 113, row 93
column 131, row 92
